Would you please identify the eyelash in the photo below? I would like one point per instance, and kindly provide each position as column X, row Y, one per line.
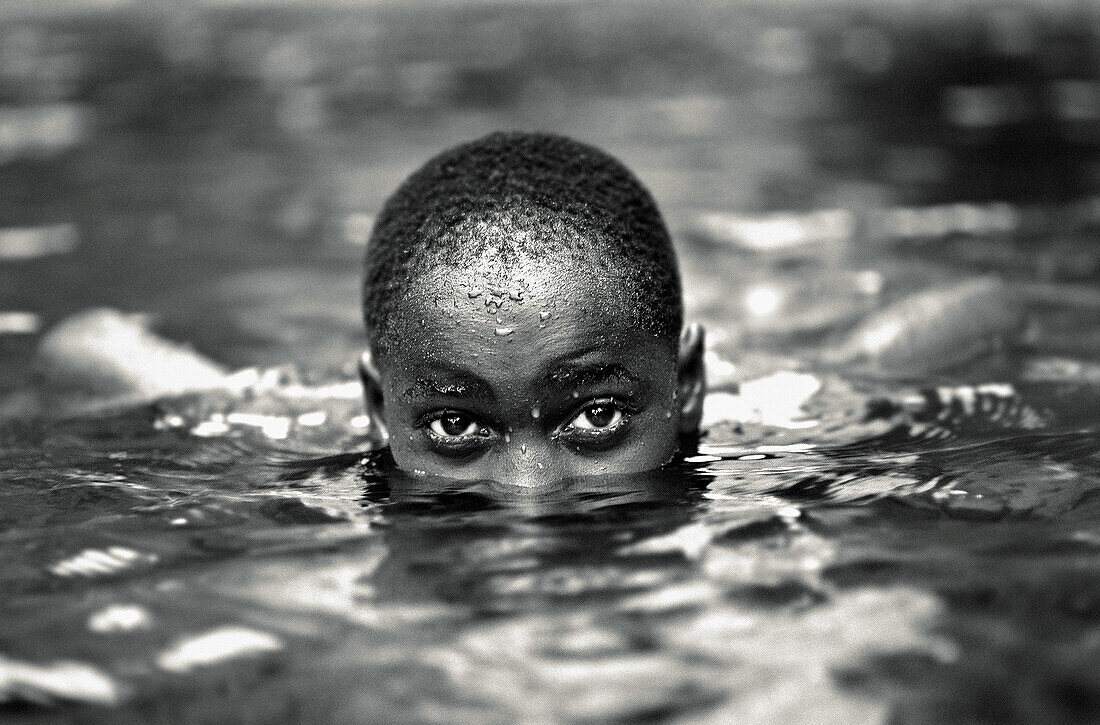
column 469, row 443
column 455, row 444
column 575, row 434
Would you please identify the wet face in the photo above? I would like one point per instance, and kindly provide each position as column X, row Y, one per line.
column 530, row 379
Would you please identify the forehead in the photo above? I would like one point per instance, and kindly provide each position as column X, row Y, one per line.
column 527, row 311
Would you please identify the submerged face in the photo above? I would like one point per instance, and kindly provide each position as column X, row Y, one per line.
column 528, row 378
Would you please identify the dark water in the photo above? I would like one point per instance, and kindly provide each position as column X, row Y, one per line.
column 943, row 581
column 177, row 562
column 832, row 555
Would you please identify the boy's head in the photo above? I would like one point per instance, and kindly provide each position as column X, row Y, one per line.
column 524, row 317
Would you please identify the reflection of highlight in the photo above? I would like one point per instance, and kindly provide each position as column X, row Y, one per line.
column 209, row 428
column 217, row 646
column 878, row 338
column 120, row 618
column 782, row 234
column 30, row 242
column 276, row 427
column 273, row 426
column 773, row 400
column 19, row 323
column 43, row 684
column 762, row 301
column 94, row 562
column 317, row 417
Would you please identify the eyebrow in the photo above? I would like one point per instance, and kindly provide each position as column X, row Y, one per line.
column 579, row 377
column 453, row 386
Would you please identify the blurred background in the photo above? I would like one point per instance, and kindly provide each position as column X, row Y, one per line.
column 913, row 182
column 217, row 163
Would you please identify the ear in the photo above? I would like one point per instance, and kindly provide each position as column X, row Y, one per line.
column 691, row 385
column 372, row 393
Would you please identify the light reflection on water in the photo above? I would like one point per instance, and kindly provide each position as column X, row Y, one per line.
column 830, row 583
column 198, row 561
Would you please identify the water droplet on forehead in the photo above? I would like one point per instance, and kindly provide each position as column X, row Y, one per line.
column 544, row 315
column 504, row 331
column 536, row 412
column 516, row 294
column 523, row 448
column 474, row 293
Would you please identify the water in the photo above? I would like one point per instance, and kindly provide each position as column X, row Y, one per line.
column 846, row 552
column 843, row 552
column 836, row 553
column 875, row 570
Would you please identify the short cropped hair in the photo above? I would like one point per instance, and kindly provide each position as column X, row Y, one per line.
column 541, row 196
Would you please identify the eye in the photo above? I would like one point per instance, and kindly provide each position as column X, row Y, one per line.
column 598, row 425
column 455, row 425
column 455, row 433
column 598, row 416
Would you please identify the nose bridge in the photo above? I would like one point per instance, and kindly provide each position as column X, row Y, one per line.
column 529, row 458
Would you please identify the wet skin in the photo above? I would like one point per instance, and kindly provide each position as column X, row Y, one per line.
column 556, row 382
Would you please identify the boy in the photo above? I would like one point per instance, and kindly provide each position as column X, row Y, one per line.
column 523, row 313
column 524, row 319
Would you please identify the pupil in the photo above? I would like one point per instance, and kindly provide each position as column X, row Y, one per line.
column 601, row 415
column 454, row 425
